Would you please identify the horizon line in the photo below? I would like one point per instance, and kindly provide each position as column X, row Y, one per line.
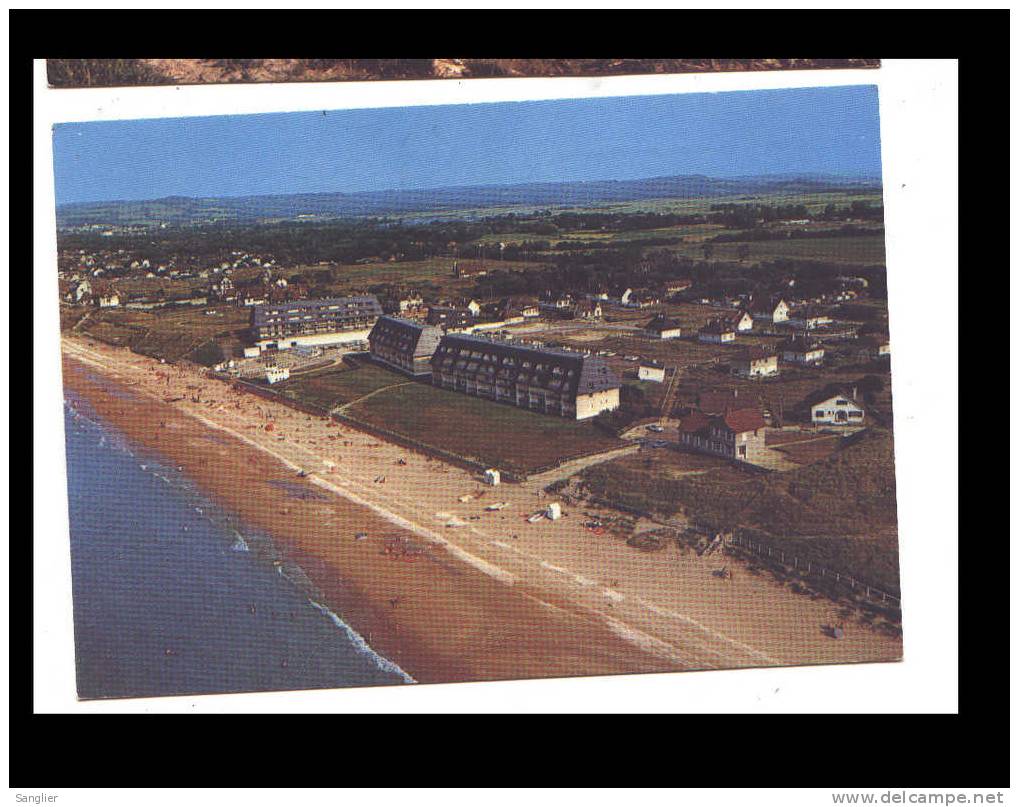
column 787, row 174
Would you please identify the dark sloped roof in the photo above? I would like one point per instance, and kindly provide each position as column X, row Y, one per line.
column 352, row 306
column 660, row 323
column 555, row 370
column 830, row 391
column 717, row 326
column 743, row 420
column 406, row 336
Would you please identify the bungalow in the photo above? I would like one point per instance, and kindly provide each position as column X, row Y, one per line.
column 803, row 351
column 717, row 332
column 737, row 435
column 755, row 363
column 662, row 327
column 111, row 300
column 651, row 371
column 840, row 409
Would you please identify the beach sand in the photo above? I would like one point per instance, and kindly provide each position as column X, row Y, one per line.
column 490, row 597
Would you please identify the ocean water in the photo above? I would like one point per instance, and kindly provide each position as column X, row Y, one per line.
column 171, row 597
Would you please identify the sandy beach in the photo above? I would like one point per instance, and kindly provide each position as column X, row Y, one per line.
column 444, row 588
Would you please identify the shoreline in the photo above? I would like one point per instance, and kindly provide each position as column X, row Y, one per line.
column 416, row 646
column 442, row 588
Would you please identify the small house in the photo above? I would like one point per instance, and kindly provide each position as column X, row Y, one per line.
column 741, row 320
column 773, row 309
column 802, row 351
column 840, row 409
column 717, row 332
column 651, row 371
column 755, row 363
column 275, row 374
column 492, row 477
column 739, row 434
column 662, row 327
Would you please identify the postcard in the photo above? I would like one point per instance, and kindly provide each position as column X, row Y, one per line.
column 477, row 392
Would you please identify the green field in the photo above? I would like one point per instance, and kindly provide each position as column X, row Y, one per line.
column 863, row 249
column 335, row 386
column 494, row 434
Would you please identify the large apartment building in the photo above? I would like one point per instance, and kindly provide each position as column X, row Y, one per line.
column 404, row 344
column 556, row 382
column 329, row 321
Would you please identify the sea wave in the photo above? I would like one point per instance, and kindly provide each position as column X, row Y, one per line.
column 359, row 643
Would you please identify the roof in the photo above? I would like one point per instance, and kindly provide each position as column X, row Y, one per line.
column 736, row 316
column 359, row 305
column 694, row 422
column 652, row 363
column 405, row 335
column 767, row 305
column 832, row 391
column 661, row 323
column 743, row 420
column 553, row 369
column 717, row 326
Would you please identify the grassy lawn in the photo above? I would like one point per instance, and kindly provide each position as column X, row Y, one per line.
column 495, row 434
column 335, row 386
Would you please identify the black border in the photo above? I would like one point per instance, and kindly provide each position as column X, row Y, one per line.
column 688, row 750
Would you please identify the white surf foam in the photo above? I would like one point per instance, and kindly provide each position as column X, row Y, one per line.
column 359, row 643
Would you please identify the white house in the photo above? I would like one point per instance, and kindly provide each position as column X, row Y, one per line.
column 773, row 310
column 803, row 352
column 662, row 327
column 741, row 320
column 651, row 371
column 840, row 409
column 717, row 332
column 111, row 300
column 755, row 363
column 274, row 374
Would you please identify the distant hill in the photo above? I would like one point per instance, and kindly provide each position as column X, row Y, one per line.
column 180, row 210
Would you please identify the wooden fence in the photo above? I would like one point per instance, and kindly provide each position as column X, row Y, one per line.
column 874, row 594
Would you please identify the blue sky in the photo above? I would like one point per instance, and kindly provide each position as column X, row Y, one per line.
column 831, row 130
